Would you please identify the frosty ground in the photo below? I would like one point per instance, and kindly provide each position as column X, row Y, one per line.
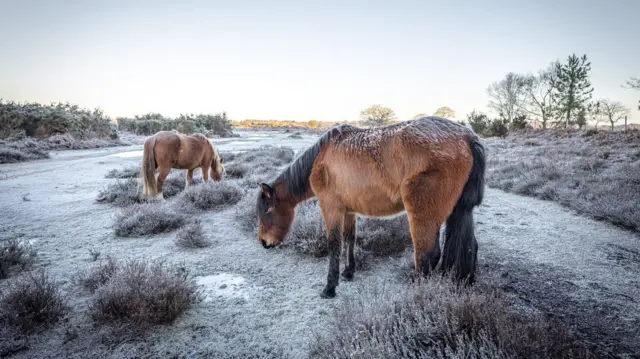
column 266, row 303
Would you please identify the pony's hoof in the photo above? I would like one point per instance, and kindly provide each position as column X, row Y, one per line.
column 347, row 275
column 328, row 293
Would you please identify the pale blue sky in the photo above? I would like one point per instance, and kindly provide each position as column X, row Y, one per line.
column 297, row 60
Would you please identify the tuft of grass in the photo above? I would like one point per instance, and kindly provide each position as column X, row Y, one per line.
column 15, row 255
column 596, row 173
column 437, row 319
column 121, row 193
column 14, row 155
column 140, row 293
column 237, row 170
column 245, row 212
column 99, row 275
column 308, row 233
column 131, row 171
column 147, row 219
column 383, row 236
column 192, row 236
column 33, row 302
column 212, row 195
column 375, row 237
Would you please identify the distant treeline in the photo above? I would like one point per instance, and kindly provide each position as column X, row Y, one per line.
column 313, row 124
column 22, row 120
column 18, row 121
column 148, row 124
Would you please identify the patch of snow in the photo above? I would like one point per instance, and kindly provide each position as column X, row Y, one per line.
column 222, row 285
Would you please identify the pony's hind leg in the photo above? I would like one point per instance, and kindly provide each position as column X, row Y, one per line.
column 162, row 176
column 349, row 237
column 428, row 199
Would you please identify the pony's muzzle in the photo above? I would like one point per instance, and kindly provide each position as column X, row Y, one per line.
column 264, row 244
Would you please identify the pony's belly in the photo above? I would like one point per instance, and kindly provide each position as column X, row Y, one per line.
column 375, row 205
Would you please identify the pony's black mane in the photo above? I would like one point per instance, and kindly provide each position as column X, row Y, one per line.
column 296, row 175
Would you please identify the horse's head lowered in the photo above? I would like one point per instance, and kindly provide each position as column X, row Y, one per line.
column 275, row 217
column 217, row 168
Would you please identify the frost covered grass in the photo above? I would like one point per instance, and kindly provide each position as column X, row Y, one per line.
column 212, row 195
column 148, row 219
column 140, row 293
column 32, row 302
column 121, row 193
column 192, row 236
column 594, row 173
column 28, row 149
column 15, row 256
column 375, row 237
column 130, row 171
column 437, row 319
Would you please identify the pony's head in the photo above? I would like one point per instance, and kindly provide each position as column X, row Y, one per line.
column 275, row 217
column 217, row 168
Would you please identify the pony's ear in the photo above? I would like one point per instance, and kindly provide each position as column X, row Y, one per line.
column 266, row 189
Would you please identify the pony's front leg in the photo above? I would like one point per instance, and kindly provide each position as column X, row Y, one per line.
column 333, row 219
column 205, row 173
column 189, row 176
column 349, row 237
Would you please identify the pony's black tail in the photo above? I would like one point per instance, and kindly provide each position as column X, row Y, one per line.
column 461, row 247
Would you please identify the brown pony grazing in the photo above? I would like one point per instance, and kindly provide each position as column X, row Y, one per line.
column 431, row 167
column 168, row 149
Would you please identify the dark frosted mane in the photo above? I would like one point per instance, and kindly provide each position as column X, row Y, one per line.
column 296, row 175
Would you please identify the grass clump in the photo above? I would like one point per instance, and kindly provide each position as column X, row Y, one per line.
column 383, row 236
column 308, row 233
column 99, row 275
column 33, row 302
column 192, row 236
column 142, row 293
column 131, row 171
column 212, row 195
column 245, row 211
column 147, row 219
column 14, row 254
column 13, row 155
column 437, row 319
column 375, row 237
column 237, row 170
column 121, row 193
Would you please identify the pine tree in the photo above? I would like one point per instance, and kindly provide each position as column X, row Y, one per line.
column 572, row 88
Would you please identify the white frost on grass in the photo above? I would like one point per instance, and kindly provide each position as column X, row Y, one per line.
column 222, row 285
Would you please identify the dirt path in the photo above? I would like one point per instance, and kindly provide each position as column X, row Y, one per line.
column 266, row 303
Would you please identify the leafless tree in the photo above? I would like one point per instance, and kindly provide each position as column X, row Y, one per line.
column 538, row 90
column 507, row 96
column 613, row 111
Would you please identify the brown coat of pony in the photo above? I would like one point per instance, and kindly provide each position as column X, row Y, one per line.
column 168, row 149
column 431, row 167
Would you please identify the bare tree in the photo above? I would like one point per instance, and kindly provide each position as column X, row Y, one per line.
column 506, row 97
column 613, row 111
column 446, row 112
column 420, row 115
column 377, row 115
column 538, row 90
column 633, row 83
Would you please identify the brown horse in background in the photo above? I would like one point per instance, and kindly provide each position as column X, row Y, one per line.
column 168, row 149
column 431, row 167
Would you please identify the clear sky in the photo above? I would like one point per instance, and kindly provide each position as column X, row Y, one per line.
column 303, row 60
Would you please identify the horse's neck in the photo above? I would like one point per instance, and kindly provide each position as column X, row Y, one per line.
column 283, row 195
